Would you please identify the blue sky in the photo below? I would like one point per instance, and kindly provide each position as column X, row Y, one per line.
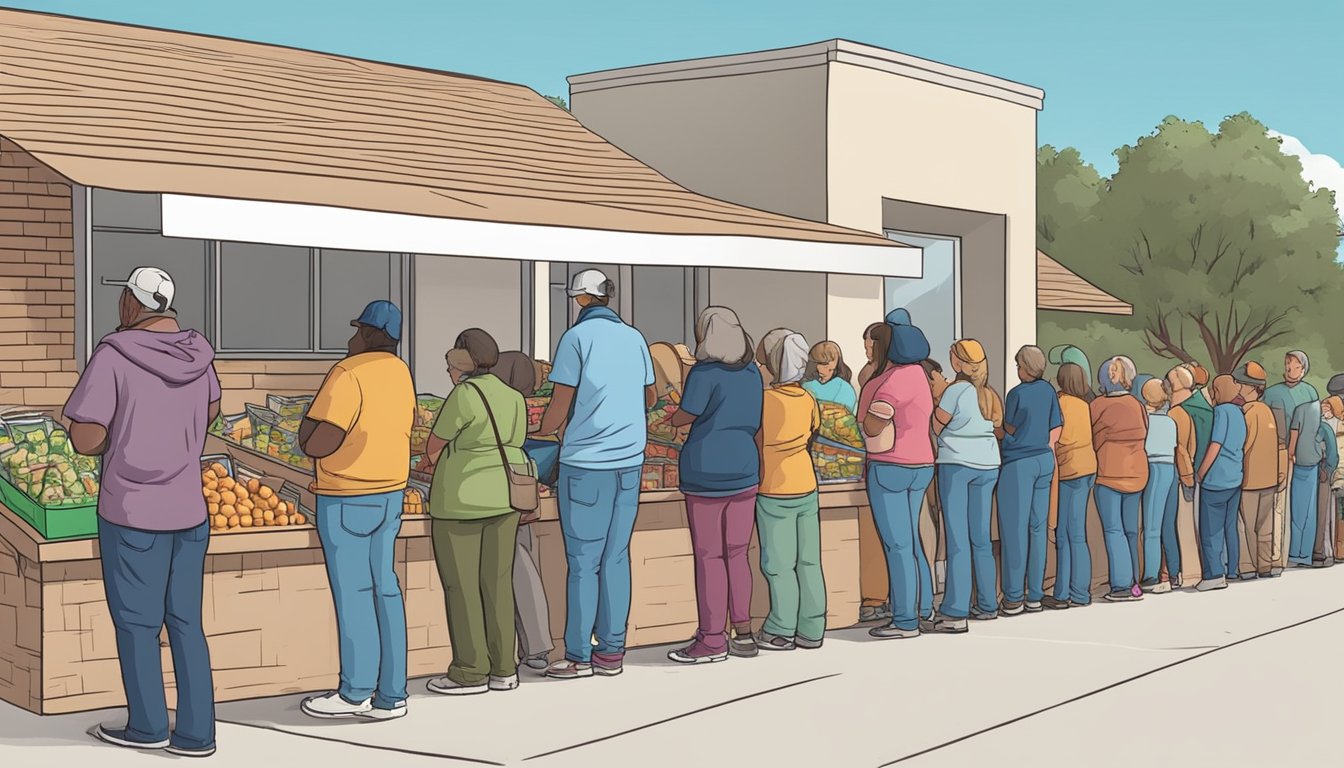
column 1111, row 70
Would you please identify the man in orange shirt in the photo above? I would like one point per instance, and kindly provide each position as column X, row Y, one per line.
column 1266, row 469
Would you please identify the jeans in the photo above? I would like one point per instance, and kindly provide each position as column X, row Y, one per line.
column 155, row 579
column 1171, row 538
column 790, row 533
column 721, row 529
column 1024, row 511
column 1217, row 512
column 967, row 496
column 359, row 535
column 895, row 493
column 475, row 561
column 597, row 518
column 1157, row 504
column 1120, row 529
column 1303, row 501
column 1073, row 558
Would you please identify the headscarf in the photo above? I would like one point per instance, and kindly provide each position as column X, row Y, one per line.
column 788, row 358
column 721, row 337
column 1251, row 374
column 1107, row 384
column 908, row 344
column 899, row 316
column 1336, row 384
column 1067, row 353
column 518, row 371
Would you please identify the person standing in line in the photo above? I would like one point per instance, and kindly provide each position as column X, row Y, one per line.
column 965, row 421
column 1160, row 446
column 1284, row 399
column 1077, row 467
column 532, row 611
column 1119, row 431
column 603, row 388
column 1323, row 551
column 1194, row 421
column 144, row 402
column 874, row 583
column 358, row 431
column 787, row 505
column 1265, row 472
column 828, row 378
column 1220, row 478
column 897, row 407
column 720, row 472
column 1031, row 424
column 1306, row 454
column 477, row 445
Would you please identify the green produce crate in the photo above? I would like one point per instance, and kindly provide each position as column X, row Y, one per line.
column 54, row 523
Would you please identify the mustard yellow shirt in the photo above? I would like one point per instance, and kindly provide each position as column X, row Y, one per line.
column 789, row 419
column 370, row 396
column 1074, row 452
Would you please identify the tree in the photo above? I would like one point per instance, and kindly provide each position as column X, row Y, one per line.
column 1067, row 191
column 557, row 101
column 1215, row 239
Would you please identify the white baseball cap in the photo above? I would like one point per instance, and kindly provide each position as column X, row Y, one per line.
column 589, row 282
column 151, row 286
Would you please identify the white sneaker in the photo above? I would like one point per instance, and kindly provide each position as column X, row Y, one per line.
column 377, row 713
column 1209, row 585
column 331, row 706
column 446, row 687
column 503, row 683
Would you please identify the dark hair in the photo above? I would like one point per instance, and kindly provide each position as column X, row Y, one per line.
column 481, row 346
column 880, row 333
column 1073, row 381
column 377, row 338
column 931, row 366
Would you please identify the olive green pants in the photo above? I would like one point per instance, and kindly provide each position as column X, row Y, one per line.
column 475, row 559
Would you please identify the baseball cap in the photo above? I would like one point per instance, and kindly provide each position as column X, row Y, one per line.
column 1250, row 373
column 382, row 315
column 151, row 286
column 589, row 282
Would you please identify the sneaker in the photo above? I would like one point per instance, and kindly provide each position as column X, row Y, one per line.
column 768, row 642
column 1265, row 575
column 1054, row 603
column 117, row 737
column 381, row 713
column 447, row 687
column 926, row 625
column 1136, row 591
column 1209, row 585
column 1161, row 588
column 949, row 626
column 891, row 632
column 608, row 664
column 197, row 751
column 1124, row 596
column 1011, row 609
column 743, row 646
column 331, row 706
column 884, row 612
column 509, row 683
column 569, row 670
column 979, row 615
column 538, row 663
column 1275, row 572
column 807, row 645
column 697, row 653
column 1321, row 563
column 869, row 613
column 1299, row 565
column 1034, row 606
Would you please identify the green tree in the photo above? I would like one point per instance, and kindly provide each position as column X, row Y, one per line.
column 1215, row 238
column 1067, row 192
column 557, row 101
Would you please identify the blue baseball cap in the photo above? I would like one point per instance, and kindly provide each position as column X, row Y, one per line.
column 382, row 315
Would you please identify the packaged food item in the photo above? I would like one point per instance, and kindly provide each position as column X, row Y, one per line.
column 289, row 408
column 653, row 477
column 660, row 423
column 39, row 461
column 536, row 410
column 835, row 464
column 658, row 450
column 277, row 437
column 413, row 502
column 840, row 426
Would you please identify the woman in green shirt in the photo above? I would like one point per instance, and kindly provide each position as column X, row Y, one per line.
column 474, row 528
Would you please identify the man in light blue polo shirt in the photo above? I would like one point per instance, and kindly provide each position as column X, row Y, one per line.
column 603, row 379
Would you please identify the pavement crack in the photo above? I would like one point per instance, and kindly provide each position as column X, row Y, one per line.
column 351, row 743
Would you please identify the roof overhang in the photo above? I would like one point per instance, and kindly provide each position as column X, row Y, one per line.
column 1061, row 289
column 318, row 226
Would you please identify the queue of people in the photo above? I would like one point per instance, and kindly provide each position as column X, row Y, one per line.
column 1250, row 468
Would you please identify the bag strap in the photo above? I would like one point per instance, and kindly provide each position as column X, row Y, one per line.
column 499, row 442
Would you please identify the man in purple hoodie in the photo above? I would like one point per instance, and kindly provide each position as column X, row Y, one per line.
column 144, row 402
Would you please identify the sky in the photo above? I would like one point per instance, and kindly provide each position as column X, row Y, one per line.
column 1110, row 70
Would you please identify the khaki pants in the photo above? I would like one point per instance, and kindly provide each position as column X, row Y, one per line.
column 873, row 582
column 1187, row 528
column 1257, row 517
column 475, row 559
column 1325, row 526
column 1281, row 530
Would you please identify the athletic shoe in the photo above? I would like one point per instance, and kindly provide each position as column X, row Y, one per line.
column 805, row 644
column 979, row 615
column 1034, row 606
column 1123, row 596
column 608, row 664
column 697, row 653
column 1054, row 603
column 949, row 626
column 890, row 632
column 768, row 642
column 743, row 646
column 539, row 662
column 507, row 683
column 1209, row 585
column 195, row 751
column 331, row 706
column 1011, row 609
column 117, row 737
column 378, row 713
column 446, row 687
column 569, row 670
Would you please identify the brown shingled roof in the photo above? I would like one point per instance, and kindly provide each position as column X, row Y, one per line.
column 1060, row 288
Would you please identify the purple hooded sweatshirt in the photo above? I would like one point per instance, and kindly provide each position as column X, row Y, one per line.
column 152, row 392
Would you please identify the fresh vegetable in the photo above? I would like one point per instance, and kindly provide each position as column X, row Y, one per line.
column 46, row 468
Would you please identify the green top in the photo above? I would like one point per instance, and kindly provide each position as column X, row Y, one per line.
column 469, row 479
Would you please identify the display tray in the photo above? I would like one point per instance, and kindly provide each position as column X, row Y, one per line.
column 54, row 523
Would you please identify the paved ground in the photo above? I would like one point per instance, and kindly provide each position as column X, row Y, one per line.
column 1229, row 678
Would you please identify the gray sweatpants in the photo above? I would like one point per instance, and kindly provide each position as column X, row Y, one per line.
column 533, row 614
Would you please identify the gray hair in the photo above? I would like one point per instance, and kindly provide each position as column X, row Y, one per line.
column 1032, row 360
column 1301, row 358
column 720, row 337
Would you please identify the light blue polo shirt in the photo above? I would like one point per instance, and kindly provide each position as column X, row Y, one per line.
column 1229, row 431
column 607, row 363
column 968, row 439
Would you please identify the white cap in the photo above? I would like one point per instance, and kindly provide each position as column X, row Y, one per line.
column 151, row 286
column 589, row 282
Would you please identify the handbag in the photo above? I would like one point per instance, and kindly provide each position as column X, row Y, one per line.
column 523, row 493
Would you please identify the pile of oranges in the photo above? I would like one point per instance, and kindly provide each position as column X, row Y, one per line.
column 233, row 505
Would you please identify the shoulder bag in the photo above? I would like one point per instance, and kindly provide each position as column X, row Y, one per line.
column 523, row 493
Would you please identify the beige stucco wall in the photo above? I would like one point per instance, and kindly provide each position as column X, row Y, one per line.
column 453, row 294
column 905, row 139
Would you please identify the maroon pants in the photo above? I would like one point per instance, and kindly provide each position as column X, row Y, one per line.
column 721, row 530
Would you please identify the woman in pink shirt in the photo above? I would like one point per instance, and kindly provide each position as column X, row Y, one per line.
column 896, row 407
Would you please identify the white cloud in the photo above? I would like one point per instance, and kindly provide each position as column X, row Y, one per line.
column 1319, row 170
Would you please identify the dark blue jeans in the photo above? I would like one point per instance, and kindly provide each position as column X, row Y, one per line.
column 1171, row 539
column 1218, row 511
column 1024, row 513
column 153, row 579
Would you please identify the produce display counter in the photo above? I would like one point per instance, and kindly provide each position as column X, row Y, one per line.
column 268, row 611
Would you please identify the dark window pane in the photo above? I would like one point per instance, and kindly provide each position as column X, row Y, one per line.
column 126, row 210
column 265, row 298
column 115, row 254
column 350, row 280
column 659, row 300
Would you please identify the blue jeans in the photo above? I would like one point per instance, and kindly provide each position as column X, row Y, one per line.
column 1303, row 500
column 895, row 493
column 1073, row 558
column 1024, row 511
column 1156, row 506
column 1217, row 513
column 1171, row 538
column 597, row 518
column 359, row 535
column 1120, row 529
column 967, row 496
column 155, row 579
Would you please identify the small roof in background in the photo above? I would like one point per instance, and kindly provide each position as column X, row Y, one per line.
column 1061, row 289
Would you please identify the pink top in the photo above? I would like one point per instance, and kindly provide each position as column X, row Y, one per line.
column 906, row 389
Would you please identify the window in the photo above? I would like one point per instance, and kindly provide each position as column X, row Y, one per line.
column 934, row 300
column 349, row 280
column 664, row 308
column 117, row 253
column 265, row 298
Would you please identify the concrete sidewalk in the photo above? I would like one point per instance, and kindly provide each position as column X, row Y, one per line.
column 1229, row 678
